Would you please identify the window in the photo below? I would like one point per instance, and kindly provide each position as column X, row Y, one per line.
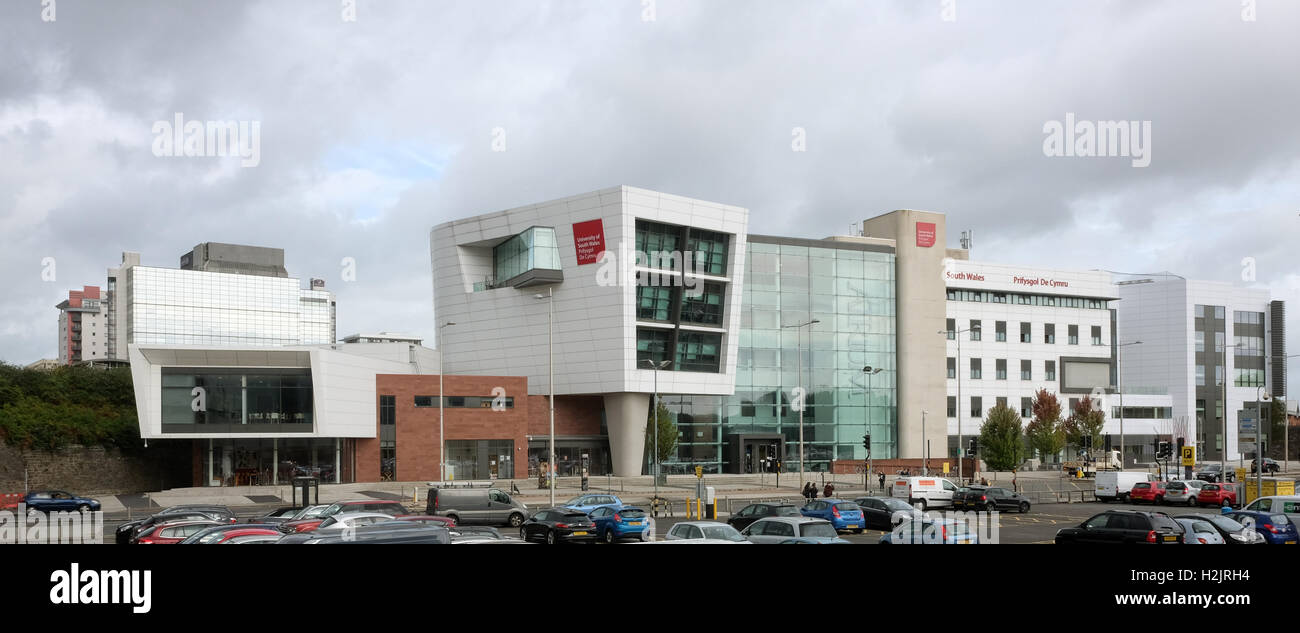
column 533, row 249
column 976, row 369
column 1096, row 335
column 708, row 250
column 1026, row 407
column 703, row 304
column 975, row 330
column 1049, row 367
column 1026, row 370
column 387, row 410
column 951, row 324
column 1001, row 401
column 698, row 351
column 1073, row 333
column 654, row 302
column 1000, row 329
column 1248, row 345
column 1248, row 318
column 1218, row 374
column 1218, row 312
column 952, row 406
column 1049, row 333
column 1024, row 332
column 656, row 243
column 976, row 407
column 1001, row 368
column 952, row 367
column 653, row 345
column 1200, row 341
column 1248, row 377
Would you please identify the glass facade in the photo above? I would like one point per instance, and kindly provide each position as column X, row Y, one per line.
column 852, row 293
column 251, row 462
column 533, row 249
column 190, row 307
column 266, row 400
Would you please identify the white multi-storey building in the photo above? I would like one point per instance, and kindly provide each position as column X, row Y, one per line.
column 1013, row 330
column 1197, row 333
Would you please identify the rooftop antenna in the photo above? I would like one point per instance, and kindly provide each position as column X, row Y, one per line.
column 967, row 238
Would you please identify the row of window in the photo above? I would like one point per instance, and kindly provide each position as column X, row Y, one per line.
column 456, row 402
column 689, row 351
column 1241, row 378
column 1027, row 409
column 701, row 304
column 1018, row 298
column 1000, row 369
column 1248, row 318
column 975, row 328
column 705, row 252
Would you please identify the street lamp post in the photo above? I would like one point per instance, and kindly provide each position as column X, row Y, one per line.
column 1259, row 441
column 925, row 451
column 802, row 403
column 442, row 443
column 1119, row 380
column 957, row 335
column 654, row 416
column 550, row 380
column 869, row 371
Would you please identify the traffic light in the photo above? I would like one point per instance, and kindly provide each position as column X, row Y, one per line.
column 1165, row 450
column 974, row 446
column 866, row 442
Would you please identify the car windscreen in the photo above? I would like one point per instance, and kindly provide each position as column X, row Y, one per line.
column 1210, row 487
column 896, row 505
column 631, row 513
column 847, row 507
column 1159, row 521
column 573, row 517
column 722, row 532
column 1279, row 519
column 1141, row 485
column 1224, row 523
column 1176, row 485
column 786, row 511
column 818, row 530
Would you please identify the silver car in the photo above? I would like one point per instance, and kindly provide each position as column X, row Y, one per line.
column 705, row 530
column 1183, row 492
column 780, row 529
column 1197, row 532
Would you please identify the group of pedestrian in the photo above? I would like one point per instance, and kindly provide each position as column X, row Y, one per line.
column 810, row 491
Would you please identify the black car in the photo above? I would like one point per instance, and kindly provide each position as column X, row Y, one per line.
column 1270, row 465
column 1213, row 473
column 1124, row 526
column 1233, row 532
column 385, row 533
column 278, row 515
column 559, row 524
column 756, row 511
column 127, row 532
column 878, row 512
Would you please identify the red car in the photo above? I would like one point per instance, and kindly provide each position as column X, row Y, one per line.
column 1152, row 492
column 363, row 505
column 230, row 534
column 174, row 532
column 1217, row 495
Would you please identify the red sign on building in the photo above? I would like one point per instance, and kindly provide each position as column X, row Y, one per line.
column 925, row 234
column 589, row 240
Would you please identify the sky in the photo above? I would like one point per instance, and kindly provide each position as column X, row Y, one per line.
column 377, row 120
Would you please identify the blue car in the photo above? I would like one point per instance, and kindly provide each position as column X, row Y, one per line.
column 844, row 515
column 613, row 523
column 1275, row 528
column 58, row 501
column 589, row 502
column 930, row 532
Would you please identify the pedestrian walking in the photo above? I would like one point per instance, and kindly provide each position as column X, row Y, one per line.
column 828, row 491
column 882, row 480
column 808, row 492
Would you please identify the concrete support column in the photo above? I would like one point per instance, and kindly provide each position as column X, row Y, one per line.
column 626, row 415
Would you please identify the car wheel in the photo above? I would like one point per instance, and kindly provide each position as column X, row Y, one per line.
column 991, row 507
column 609, row 537
column 523, row 534
column 1024, row 507
column 516, row 520
column 83, row 508
column 858, row 531
column 1191, row 501
column 454, row 519
column 550, row 537
column 920, row 502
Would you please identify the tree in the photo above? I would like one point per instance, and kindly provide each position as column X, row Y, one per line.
column 1045, row 432
column 1277, row 426
column 667, row 434
column 1002, row 441
column 1083, row 423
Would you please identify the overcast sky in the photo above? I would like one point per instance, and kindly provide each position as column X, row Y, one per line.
column 374, row 130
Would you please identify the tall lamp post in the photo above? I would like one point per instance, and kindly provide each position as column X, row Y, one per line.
column 870, row 371
column 1223, row 454
column 442, row 443
column 550, row 380
column 1260, row 398
column 799, row 373
column 654, row 415
column 1119, row 380
column 957, row 335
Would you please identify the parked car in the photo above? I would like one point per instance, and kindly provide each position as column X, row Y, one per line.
column 1217, row 495
column 485, row 506
column 1213, row 473
column 814, row 541
column 278, row 515
column 615, row 523
column 777, row 529
column 127, row 532
column 352, row 520
column 446, row 522
column 173, row 532
column 1124, row 526
column 1287, row 504
column 927, row 531
column 272, row 534
column 990, row 498
column 394, row 532
column 212, row 534
column 878, row 512
column 587, row 503
column 1232, row 531
column 844, row 515
column 705, row 530
column 925, row 492
column 1183, row 492
column 1152, row 492
column 267, row 538
column 1276, row 529
column 1199, row 532
column 391, row 508
column 755, row 511
column 1270, row 465
column 58, row 501
column 1115, row 485
column 475, row 534
column 559, row 524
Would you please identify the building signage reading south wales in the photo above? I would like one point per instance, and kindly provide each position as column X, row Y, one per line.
column 925, row 234
column 589, row 240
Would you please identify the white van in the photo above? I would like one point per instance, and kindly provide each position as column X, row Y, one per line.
column 1115, row 485
column 926, row 492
